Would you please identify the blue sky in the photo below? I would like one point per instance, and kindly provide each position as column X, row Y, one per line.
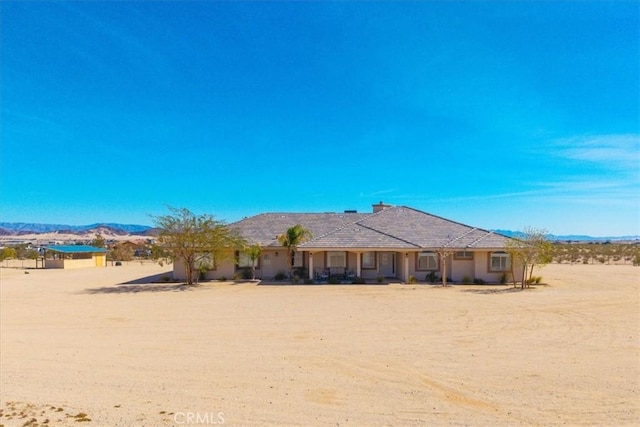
column 495, row 114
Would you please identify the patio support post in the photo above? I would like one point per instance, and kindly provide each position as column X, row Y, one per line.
column 310, row 265
column 406, row 268
column 358, row 265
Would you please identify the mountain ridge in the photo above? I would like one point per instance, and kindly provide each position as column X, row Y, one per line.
column 572, row 237
column 21, row 228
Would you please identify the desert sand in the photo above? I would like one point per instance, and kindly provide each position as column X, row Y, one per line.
column 100, row 347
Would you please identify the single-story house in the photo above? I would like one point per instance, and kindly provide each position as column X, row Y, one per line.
column 74, row 256
column 393, row 242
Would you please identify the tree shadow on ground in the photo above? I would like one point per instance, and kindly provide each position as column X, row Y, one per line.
column 491, row 291
column 139, row 288
column 154, row 283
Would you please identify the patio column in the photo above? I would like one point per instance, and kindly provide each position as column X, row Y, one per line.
column 406, row 267
column 310, row 265
column 358, row 266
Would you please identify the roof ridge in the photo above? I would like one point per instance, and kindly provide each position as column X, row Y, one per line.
column 445, row 219
column 382, row 232
column 461, row 236
column 334, row 230
column 481, row 238
column 390, row 235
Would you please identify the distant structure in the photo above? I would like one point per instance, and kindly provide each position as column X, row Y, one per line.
column 74, row 256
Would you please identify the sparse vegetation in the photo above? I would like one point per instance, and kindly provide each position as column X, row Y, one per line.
column 596, row 252
column 531, row 250
column 431, row 277
column 504, row 278
column 194, row 239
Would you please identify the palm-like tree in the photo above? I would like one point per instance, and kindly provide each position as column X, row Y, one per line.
column 293, row 237
column 254, row 252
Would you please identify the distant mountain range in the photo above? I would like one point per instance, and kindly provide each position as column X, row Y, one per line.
column 573, row 237
column 21, row 228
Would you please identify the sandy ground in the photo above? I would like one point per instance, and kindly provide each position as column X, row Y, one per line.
column 89, row 347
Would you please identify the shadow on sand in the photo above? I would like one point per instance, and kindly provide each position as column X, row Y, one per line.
column 154, row 283
column 491, row 291
column 319, row 284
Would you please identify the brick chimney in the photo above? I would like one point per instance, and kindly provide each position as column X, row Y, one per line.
column 380, row 207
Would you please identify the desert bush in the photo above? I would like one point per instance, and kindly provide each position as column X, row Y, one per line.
column 280, row 275
column 358, row 281
column 412, row 280
column 380, row 279
column 431, row 277
column 479, row 281
column 466, row 280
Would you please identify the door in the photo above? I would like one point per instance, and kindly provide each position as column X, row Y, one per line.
column 387, row 264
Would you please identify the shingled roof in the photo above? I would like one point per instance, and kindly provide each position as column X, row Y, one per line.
column 397, row 227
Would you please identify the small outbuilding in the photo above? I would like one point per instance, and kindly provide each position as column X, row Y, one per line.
column 74, row 256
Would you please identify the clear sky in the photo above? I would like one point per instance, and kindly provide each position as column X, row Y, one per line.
column 495, row 114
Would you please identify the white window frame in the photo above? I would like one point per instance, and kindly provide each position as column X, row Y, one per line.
column 432, row 261
column 463, row 255
column 369, row 260
column 503, row 260
column 339, row 256
column 244, row 261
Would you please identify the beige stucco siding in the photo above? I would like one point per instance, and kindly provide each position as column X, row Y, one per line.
column 71, row 263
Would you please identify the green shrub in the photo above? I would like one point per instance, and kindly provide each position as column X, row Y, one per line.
column 479, row 281
column 359, row 281
column 280, row 275
column 246, row 273
column 431, row 277
column 412, row 280
column 380, row 279
column 503, row 278
column 300, row 272
column 466, row 280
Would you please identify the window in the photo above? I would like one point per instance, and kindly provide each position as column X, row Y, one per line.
column 336, row 259
column 369, row 260
column 427, row 261
column 500, row 261
column 205, row 260
column 297, row 258
column 245, row 261
column 463, row 255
